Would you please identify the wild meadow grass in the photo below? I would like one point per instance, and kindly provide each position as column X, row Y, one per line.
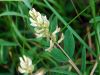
column 49, row 37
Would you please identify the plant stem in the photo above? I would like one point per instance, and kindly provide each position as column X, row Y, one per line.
column 94, row 67
column 75, row 9
column 70, row 60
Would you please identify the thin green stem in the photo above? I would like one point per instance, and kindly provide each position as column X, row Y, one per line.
column 75, row 9
column 76, row 16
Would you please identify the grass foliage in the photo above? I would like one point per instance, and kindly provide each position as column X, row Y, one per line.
column 79, row 20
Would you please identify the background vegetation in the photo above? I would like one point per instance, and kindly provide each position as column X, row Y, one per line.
column 79, row 21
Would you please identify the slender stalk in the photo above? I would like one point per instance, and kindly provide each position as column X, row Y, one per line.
column 94, row 67
column 75, row 9
column 70, row 60
column 76, row 17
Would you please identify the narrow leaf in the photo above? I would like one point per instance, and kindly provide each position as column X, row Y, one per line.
column 62, row 71
column 69, row 43
column 12, row 13
column 96, row 18
column 58, row 55
column 83, row 68
column 27, row 3
column 6, row 43
column 53, row 23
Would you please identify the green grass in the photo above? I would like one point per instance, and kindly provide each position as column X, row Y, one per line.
column 79, row 52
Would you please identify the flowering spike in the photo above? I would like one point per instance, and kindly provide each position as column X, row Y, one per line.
column 41, row 24
column 25, row 65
